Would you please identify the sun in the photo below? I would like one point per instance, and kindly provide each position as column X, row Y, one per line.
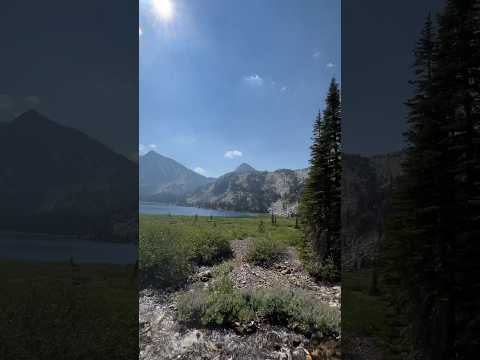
column 163, row 9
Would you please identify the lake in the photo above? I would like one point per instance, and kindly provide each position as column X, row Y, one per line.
column 152, row 208
column 34, row 247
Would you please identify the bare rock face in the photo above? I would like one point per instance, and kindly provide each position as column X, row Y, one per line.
column 247, row 189
column 164, row 180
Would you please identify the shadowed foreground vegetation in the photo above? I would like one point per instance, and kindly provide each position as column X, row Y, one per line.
column 363, row 313
column 56, row 310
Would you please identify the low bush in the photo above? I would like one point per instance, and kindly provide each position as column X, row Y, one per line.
column 295, row 309
column 209, row 246
column 168, row 250
column 163, row 257
column 222, row 305
column 321, row 271
column 265, row 251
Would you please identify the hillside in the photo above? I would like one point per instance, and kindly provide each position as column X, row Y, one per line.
column 55, row 179
column 163, row 179
column 247, row 189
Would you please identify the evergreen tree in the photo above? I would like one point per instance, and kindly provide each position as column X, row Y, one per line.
column 429, row 254
column 333, row 172
column 409, row 254
column 310, row 209
column 459, row 92
column 320, row 202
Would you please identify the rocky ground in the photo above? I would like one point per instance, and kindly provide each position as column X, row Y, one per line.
column 162, row 337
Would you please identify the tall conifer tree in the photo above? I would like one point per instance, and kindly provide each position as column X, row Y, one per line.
column 320, row 202
column 429, row 251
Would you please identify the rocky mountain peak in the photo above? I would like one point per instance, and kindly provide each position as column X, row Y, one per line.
column 244, row 168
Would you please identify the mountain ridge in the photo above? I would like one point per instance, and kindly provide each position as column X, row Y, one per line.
column 62, row 180
column 165, row 180
column 248, row 189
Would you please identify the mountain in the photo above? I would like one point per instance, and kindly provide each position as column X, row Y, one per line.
column 244, row 168
column 366, row 189
column 56, row 179
column 247, row 189
column 164, row 180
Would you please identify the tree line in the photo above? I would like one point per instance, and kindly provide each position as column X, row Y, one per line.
column 429, row 256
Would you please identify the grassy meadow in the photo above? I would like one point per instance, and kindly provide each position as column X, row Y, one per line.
column 170, row 246
column 56, row 310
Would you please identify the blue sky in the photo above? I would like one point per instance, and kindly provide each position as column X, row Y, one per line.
column 224, row 82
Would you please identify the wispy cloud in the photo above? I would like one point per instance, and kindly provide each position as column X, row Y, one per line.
column 330, row 65
column 200, row 170
column 231, row 154
column 316, row 54
column 253, row 80
column 283, row 88
column 144, row 148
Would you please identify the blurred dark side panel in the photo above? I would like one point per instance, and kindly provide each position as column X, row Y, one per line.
column 410, row 208
column 69, row 180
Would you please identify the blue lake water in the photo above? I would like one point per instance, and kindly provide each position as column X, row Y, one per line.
column 56, row 248
column 152, row 208
column 40, row 247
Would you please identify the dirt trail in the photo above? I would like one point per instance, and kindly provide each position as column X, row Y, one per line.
column 162, row 337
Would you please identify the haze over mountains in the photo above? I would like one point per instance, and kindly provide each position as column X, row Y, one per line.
column 164, row 180
column 56, row 179
column 247, row 189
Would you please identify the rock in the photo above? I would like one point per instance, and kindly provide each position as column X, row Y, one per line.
column 299, row 354
column 245, row 329
column 296, row 342
column 251, row 327
column 205, row 275
column 238, row 328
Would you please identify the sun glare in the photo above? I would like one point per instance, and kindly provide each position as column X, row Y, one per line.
column 163, row 9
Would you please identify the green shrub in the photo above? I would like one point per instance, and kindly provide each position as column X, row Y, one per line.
column 295, row 309
column 226, row 305
column 265, row 251
column 192, row 306
column 322, row 271
column 169, row 250
column 325, row 271
column 222, row 305
column 223, row 268
column 261, row 227
column 163, row 257
column 209, row 247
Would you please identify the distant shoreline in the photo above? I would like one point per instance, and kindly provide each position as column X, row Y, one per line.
column 169, row 209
